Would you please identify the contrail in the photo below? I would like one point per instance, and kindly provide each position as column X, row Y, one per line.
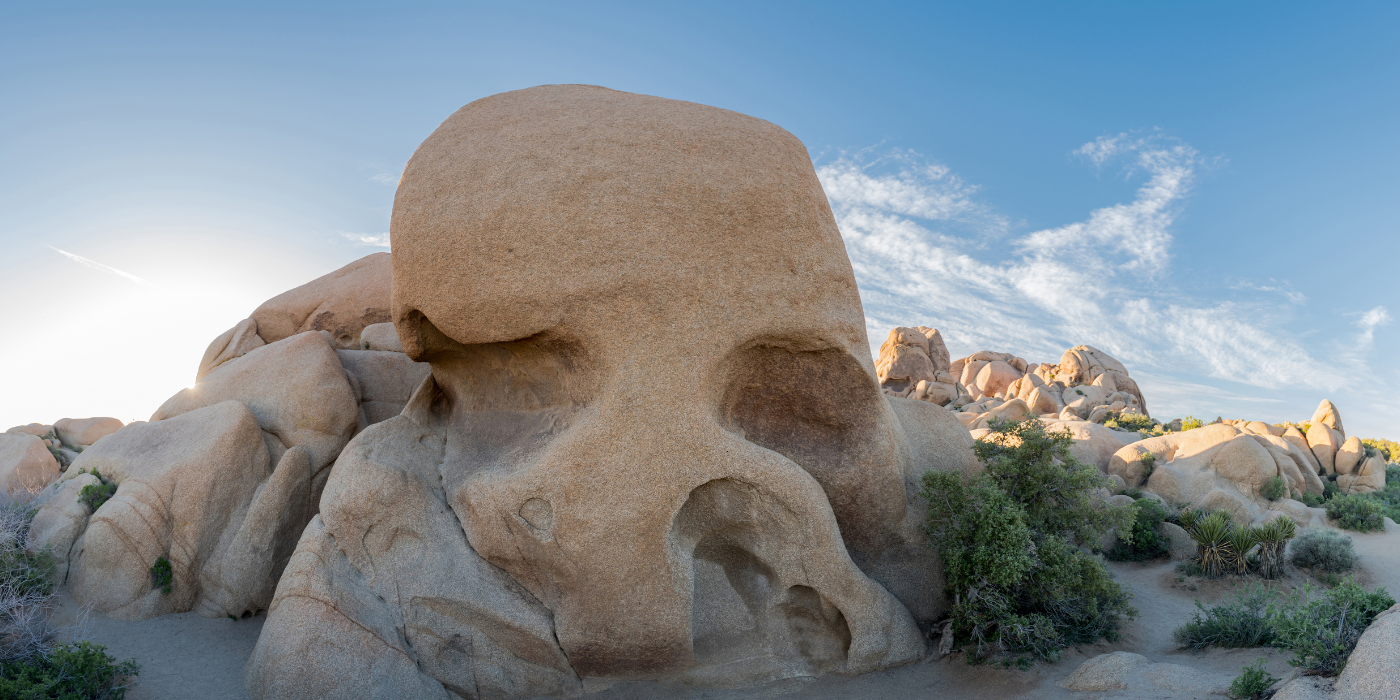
column 93, row 263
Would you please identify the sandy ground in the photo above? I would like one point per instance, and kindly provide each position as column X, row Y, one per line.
column 187, row 656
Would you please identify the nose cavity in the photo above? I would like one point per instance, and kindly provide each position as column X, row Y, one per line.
column 747, row 619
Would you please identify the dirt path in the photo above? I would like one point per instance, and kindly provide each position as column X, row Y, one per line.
column 187, row 656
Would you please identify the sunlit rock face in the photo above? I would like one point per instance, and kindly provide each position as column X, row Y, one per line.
column 653, row 443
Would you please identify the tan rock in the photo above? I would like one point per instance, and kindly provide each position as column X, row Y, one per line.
column 26, row 465
column 937, row 350
column 57, row 526
column 296, row 387
column 342, row 303
column 1370, row 670
column 235, row 342
column 906, row 366
column 386, row 380
column 1182, row 546
column 1105, row 672
column 1328, row 415
column 555, row 251
column 35, row 429
column 1323, row 442
column 995, row 377
column 1300, row 441
column 1349, row 455
column 1013, row 410
column 196, row 490
column 380, row 336
column 1094, row 443
column 935, row 392
column 1368, row 477
column 82, row 432
column 1083, row 364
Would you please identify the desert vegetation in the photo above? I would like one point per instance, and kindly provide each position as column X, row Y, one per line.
column 35, row 661
column 1320, row 627
column 1012, row 540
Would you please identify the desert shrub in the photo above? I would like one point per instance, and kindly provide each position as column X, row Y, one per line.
column 1148, row 461
column 161, row 574
column 1146, row 542
column 1213, row 550
column 1242, row 622
column 1191, row 423
column 1311, row 500
column 1273, row 488
column 76, row 671
column 1388, row 449
column 1129, row 421
column 1273, row 538
column 1356, row 512
column 1010, row 542
column 1324, row 550
column 1252, row 682
column 1322, row 630
column 94, row 495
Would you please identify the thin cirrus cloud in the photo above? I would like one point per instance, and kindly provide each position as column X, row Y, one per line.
column 918, row 241
column 380, row 240
column 99, row 266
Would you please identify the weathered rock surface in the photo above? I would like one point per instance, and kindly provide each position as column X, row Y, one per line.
column 1220, row 468
column 60, row 520
column 296, row 387
column 380, row 336
column 196, row 489
column 82, row 432
column 341, row 303
column 1370, row 673
column 761, row 504
column 35, row 429
column 386, row 380
column 235, row 342
column 26, row 465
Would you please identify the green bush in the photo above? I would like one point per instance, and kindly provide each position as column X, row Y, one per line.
column 1322, row 631
column 1311, row 500
column 1129, row 421
column 161, row 575
column 1388, row 449
column 1252, row 682
column 1273, row 489
column 77, row 671
column 1241, row 623
column 1323, row 550
column 1146, row 542
column 1356, row 512
column 1191, row 423
column 1010, row 543
column 94, row 495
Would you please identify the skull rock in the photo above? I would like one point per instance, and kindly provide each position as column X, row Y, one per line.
column 566, row 257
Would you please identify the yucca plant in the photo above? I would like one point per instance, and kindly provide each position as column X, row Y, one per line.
column 1243, row 539
column 1213, row 549
column 1273, row 539
column 1188, row 518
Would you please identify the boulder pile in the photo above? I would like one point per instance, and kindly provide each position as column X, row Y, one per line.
column 225, row 476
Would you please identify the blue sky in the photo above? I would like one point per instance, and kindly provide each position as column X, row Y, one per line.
column 1205, row 190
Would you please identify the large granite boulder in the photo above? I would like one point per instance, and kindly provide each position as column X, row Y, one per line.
column 198, row 490
column 26, row 465
column 341, row 303
column 541, row 512
column 83, row 432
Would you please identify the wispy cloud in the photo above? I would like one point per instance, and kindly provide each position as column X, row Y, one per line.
column 390, row 179
column 1371, row 320
column 380, row 240
column 917, row 238
column 99, row 266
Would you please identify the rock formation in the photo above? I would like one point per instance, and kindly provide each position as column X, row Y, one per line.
column 540, row 512
column 225, row 477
